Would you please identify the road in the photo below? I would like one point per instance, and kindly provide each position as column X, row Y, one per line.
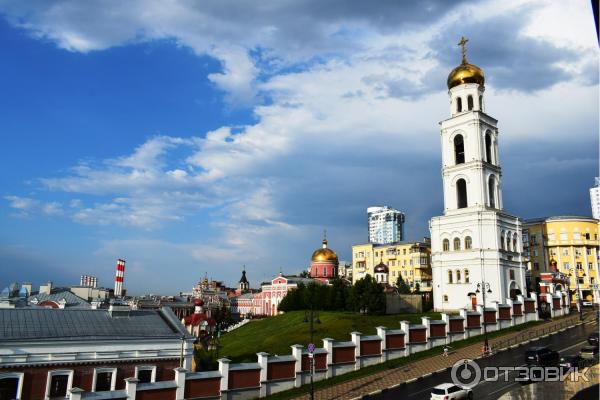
column 566, row 343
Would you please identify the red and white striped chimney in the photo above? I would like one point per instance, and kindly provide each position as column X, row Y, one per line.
column 119, row 275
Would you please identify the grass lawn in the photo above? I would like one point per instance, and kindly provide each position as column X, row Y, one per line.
column 275, row 335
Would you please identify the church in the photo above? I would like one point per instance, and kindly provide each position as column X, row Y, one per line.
column 476, row 246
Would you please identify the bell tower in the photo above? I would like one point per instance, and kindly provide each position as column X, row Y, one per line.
column 475, row 241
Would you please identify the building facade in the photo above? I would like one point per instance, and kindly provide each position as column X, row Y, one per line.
column 570, row 244
column 44, row 353
column 595, row 198
column 386, row 225
column 411, row 260
column 475, row 241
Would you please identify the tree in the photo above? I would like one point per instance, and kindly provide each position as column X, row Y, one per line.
column 367, row 296
column 417, row 287
column 402, row 286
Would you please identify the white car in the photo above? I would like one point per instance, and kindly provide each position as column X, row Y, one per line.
column 449, row 391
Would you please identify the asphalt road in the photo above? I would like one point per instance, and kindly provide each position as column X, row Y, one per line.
column 566, row 343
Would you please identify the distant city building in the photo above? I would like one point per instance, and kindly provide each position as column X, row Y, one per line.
column 345, row 270
column 411, row 260
column 44, row 353
column 324, row 263
column 199, row 324
column 566, row 244
column 386, row 225
column 243, row 284
column 595, row 198
column 275, row 290
column 88, row 280
column 213, row 293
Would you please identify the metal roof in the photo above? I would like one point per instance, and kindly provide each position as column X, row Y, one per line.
column 71, row 299
column 80, row 324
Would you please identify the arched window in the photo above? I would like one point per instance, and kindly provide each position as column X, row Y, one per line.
column 459, row 149
column 458, row 104
column 492, row 191
column 466, row 276
column 508, row 243
column 488, row 148
column 468, row 242
column 461, row 193
column 456, row 244
column 446, row 245
column 449, row 276
column 481, row 103
column 502, row 241
column 470, row 102
column 515, row 242
column 458, row 276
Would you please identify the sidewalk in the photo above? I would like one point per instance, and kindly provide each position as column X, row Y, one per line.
column 393, row 377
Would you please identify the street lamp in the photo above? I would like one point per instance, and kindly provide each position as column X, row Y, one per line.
column 484, row 288
column 310, row 316
column 578, row 293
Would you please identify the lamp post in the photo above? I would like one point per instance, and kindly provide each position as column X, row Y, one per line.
column 578, row 293
column 310, row 316
column 484, row 288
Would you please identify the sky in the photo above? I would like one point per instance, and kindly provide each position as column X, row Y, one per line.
column 194, row 138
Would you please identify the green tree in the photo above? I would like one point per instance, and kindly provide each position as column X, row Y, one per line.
column 367, row 296
column 402, row 286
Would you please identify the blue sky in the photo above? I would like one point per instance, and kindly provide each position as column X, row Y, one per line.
column 202, row 137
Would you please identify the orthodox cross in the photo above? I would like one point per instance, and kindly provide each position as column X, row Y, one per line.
column 462, row 44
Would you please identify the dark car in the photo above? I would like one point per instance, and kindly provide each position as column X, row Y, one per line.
column 589, row 352
column 593, row 339
column 541, row 356
column 573, row 361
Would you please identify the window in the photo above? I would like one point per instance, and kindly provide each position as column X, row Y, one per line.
column 492, row 191
column 588, row 251
column 461, row 193
column 577, row 253
column 470, row 102
column 586, row 236
column 445, row 298
column 551, row 236
column 576, row 236
column 481, row 103
column 581, row 281
column 566, row 265
column 446, row 245
column 459, row 149
column 468, row 242
column 449, row 276
column 404, row 251
column 579, row 266
column 565, row 252
column 590, row 265
column 536, row 266
column 535, row 252
column 466, row 276
column 456, row 244
column 534, row 239
column 146, row 373
column 564, row 236
column 502, row 244
column 511, row 274
column 11, row 385
column 104, row 379
column 59, row 383
column 488, row 148
column 457, row 276
column 458, row 104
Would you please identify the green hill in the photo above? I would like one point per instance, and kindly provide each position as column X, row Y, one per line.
column 275, row 335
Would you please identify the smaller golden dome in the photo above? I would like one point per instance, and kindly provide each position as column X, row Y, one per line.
column 465, row 73
column 324, row 254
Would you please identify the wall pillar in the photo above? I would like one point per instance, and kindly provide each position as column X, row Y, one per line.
column 131, row 388
column 328, row 345
column 224, row 371
column 263, row 361
column 180, row 381
column 405, row 327
column 356, row 340
column 427, row 322
column 382, row 333
column 297, row 354
column 75, row 393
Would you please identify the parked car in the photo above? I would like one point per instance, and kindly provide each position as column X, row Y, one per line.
column 572, row 361
column 594, row 339
column 541, row 356
column 589, row 352
column 449, row 391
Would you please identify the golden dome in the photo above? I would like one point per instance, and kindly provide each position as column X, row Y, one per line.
column 324, row 254
column 465, row 72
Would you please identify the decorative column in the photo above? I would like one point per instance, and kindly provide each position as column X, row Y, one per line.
column 180, row 381
column 427, row 322
column 224, row 371
column 382, row 333
column 263, row 361
column 405, row 327
column 297, row 354
column 328, row 345
column 356, row 340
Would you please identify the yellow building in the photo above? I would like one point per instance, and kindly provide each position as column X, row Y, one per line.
column 571, row 244
column 412, row 260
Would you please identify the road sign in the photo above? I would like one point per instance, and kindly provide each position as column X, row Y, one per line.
column 311, row 347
